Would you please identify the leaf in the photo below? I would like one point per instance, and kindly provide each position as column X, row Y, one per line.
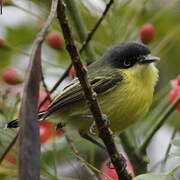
column 152, row 176
column 176, row 142
column 177, row 154
column 29, row 147
column 20, row 35
column 5, row 55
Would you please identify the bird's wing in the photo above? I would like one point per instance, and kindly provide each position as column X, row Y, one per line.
column 74, row 92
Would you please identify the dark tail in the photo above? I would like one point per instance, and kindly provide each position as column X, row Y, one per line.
column 15, row 123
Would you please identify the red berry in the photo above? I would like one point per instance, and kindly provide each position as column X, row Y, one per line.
column 175, row 84
column 55, row 40
column 46, row 130
column 147, row 33
column 175, row 91
column 11, row 76
column 111, row 172
column 59, row 132
column 42, row 96
column 72, row 71
column 11, row 158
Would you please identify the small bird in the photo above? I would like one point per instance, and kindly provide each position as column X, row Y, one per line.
column 123, row 79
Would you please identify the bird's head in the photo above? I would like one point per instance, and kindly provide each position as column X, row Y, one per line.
column 129, row 54
column 132, row 58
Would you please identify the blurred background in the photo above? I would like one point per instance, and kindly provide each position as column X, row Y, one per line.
column 155, row 23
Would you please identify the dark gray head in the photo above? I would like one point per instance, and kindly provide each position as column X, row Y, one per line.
column 127, row 54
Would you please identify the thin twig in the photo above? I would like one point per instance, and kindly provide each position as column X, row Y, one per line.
column 9, row 148
column 158, row 124
column 73, row 148
column 163, row 162
column 104, row 132
column 45, row 86
column 84, row 44
column 91, row 33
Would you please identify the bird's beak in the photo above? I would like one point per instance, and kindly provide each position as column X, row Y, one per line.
column 149, row 59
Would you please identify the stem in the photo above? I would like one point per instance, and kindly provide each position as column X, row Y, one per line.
column 75, row 151
column 158, row 124
column 163, row 162
column 27, row 11
column 91, row 33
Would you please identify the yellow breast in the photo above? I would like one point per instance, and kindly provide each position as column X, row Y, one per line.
column 132, row 98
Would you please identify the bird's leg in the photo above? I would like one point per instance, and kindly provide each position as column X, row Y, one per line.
column 92, row 128
column 92, row 140
column 93, row 125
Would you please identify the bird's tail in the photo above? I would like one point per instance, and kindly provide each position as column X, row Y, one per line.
column 15, row 123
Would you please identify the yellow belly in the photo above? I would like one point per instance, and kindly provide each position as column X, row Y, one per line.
column 123, row 104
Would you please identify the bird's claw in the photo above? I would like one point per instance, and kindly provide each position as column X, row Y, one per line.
column 93, row 127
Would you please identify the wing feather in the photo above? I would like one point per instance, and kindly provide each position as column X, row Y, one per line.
column 74, row 92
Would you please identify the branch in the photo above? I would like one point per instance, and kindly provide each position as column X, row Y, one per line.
column 158, row 124
column 9, row 148
column 104, row 132
column 91, row 33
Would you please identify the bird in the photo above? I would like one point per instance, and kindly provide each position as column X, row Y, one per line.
column 124, row 79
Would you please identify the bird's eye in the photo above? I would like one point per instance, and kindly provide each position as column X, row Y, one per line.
column 127, row 63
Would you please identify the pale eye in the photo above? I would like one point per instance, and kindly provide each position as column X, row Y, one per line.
column 127, row 63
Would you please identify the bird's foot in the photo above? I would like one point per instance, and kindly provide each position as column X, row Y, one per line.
column 93, row 127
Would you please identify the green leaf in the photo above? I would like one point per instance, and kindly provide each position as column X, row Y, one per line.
column 177, row 154
column 152, row 176
column 20, row 35
column 5, row 55
column 176, row 142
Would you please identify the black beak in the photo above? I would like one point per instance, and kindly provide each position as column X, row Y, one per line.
column 149, row 59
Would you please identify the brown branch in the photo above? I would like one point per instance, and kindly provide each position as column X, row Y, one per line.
column 91, row 33
column 104, row 132
column 84, row 44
